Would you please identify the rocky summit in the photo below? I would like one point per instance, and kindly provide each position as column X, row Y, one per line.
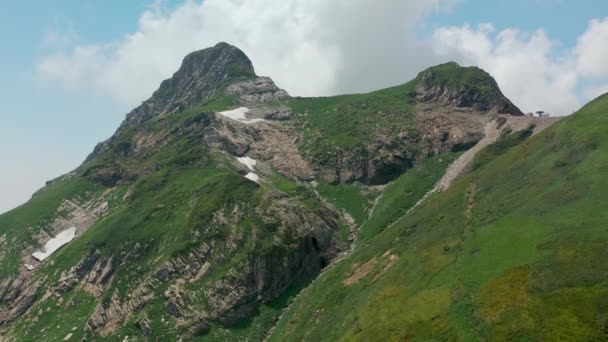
column 224, row 209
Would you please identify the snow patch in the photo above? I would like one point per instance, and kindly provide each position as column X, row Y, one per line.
column 250, row 163
column 239, row 115
column 55, row 243
column 252, row 176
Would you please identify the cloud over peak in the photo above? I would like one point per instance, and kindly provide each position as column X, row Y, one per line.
column 317, row 47
column 311, row 47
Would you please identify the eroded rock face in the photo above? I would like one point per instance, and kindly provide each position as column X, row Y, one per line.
column 108, row 317
column 436, row 130
column 201, row 74
column 257, row 91
column 18, row 293
column 269, row 142
column 480, row 93
column 304, row 246
column 262, row 277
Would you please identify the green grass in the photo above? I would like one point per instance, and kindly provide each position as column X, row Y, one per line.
column 167, row 206
column 349, row 197
column 505, row 142
column 330, row 124
column 169, row 212
column 57, row 318
column 400, row 195
column 515, row 250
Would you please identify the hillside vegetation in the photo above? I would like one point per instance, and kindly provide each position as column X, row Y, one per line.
column 517, row 249
column 222, row 199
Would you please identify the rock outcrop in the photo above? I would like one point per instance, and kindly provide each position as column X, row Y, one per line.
column 201, row 74
column 455, row 86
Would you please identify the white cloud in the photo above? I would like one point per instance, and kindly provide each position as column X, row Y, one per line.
column 312, row 47
column 592, row 51
column 318, row 47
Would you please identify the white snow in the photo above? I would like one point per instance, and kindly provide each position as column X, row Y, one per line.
column 252, row 176
column 250, row 163
column 55, row 243
column 239, row 115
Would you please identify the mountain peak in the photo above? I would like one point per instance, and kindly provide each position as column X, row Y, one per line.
column 465, row 87
column 200, row 75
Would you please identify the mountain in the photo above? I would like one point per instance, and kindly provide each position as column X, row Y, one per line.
column 221, row 197
column 516, row 249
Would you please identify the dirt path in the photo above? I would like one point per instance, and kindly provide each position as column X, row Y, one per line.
column 492, row 132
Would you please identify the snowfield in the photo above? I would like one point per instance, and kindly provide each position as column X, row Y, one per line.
column 55, row 243
column 250, row 163
column 239, row 115
column 252, row 176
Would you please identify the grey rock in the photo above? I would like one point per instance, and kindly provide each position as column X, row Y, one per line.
column 257, row 91
column 462, row 95
column 144, row 325
column 173, row 309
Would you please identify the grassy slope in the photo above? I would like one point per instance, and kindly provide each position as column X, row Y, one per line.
column 514, row 250
column 164, row 208
column 159, row 216
column 344, row 122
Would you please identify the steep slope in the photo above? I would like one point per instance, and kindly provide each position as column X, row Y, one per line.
column 172, row 238
column 514, row 250
column 221, row 196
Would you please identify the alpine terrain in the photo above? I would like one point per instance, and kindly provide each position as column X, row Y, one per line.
column 224, row 209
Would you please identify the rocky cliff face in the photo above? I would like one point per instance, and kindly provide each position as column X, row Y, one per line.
column 201, row 74
column 451, row 85
column 177, row 239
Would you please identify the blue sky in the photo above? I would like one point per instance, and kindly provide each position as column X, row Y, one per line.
column 563, row 20
column 48, row 128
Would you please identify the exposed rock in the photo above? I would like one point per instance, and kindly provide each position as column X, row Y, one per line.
column 173, row 309
column 476, row 89
column 18, row 297
column 268, row 143
column 2, row 247
column 108, row 176
column 448, row 129
column 257, row 91
column 144, row 325
column 108, row 317
column 270, row 273
column 200, row 327
column 199, row 76
column 92, row 275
